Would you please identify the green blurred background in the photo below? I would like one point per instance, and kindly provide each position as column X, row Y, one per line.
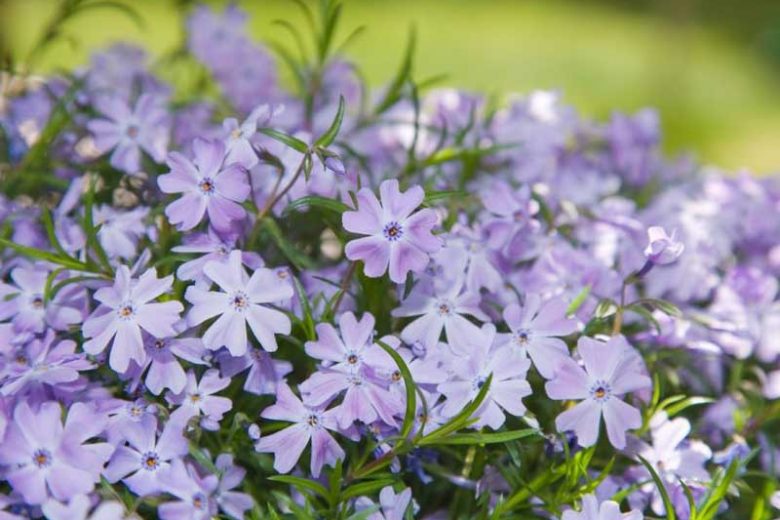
column 712, row 67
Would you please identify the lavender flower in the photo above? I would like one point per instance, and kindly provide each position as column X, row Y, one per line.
column 125, row 309
column 608, row 374
column 24, row 303
column 209, row 184
column 662, row 249
column 242, row 301
column 47, row 459
column 508, row 386
column 397, row 237
column 140, row 463
column 198, row 399
column 265, row 372
column 127, row 131
column 311, row 423
column 535, row 326
column 593, row 509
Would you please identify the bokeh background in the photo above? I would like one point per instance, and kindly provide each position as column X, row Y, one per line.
column 711, row 67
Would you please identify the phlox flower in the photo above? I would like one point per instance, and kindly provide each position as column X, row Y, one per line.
column 441, row 307
column 392, row 505
column 310, row 424
column 78, row 508
column 119, row 230
column 48, row 459
column 198, row 399
column 42, row 361
column 508, row 386
column 265, row 372
column 211, row 246
column 209, row 185
column 126, row 308
column 127, row 130
column 23, row 303
column 352, row 362
column 242, row 301
column 593, row 509
column 661, row 248
column 534, row 329
column 162, row 368
column 609, row 372
column 140, row 463
column 398, row 237
column 674, row 458
column 238, row 136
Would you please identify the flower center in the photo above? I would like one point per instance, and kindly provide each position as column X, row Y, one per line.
column 37, row 301
column 445, row 308
column 240, row 301
column 42, row 458
column 194, row 398
column 159, row 344
column 206, row 186
column 21, row 359
column 479, row 382
column 313, row 420
column 352, row 359
column 522, row 336
column 396, row 376
column 151, row 461
column 235, row 134
column 132, row 131
column 393, row 231
column 126, row 311
column 199, row 501
column 135, row 411
column 601, row 391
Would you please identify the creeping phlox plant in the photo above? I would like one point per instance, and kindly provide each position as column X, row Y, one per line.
column 232, row 291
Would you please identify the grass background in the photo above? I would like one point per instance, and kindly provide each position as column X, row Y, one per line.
column 712, row 69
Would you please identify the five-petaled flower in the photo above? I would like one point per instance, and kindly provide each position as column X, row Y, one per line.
column 398, row 237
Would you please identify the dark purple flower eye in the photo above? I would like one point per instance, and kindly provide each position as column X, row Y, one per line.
column 393, row 231
column 42, row 458
column 150, row 461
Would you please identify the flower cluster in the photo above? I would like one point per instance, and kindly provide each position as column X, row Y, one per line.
column 249, row 302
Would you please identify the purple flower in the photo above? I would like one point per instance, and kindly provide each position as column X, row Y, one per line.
column 128, row 131
column 593, row 509
column 265, row 372
column 393, row 506
column 311, row 423
column 508, row 385
column 608, row 374
column 397, row 236
column 125, row 309
column 353, row 362
column 48, row 459
column 193, row 491
column 442, row 307
column 120, row 230
column 241, row 302
column 662, row 249
column 209, row 185
column 164, row 368
column 42, row 362
column 214, row 247
column 534, row 327
column 238, row 140
column 674, row 458
column 78, row 509
column 25, row 305
column 146, row 455
column 198, row 399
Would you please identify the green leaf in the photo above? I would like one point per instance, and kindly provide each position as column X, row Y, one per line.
column 720, row 487
column 365, row 513
column 330, row 134
column 664, row 306
column 482, row 438
column 366, row 488
column 678, row 407
column 302, row 484
column 411, row 390
column 578, row 300
column 48, row 225
column 433, row 197
column 297, row 258
column 314, row 201
column 691, row 501
column 668, row 506
column 91, row 231
column 48, row 256
column 393, row 93
column 286, row 139
column 308, row 319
